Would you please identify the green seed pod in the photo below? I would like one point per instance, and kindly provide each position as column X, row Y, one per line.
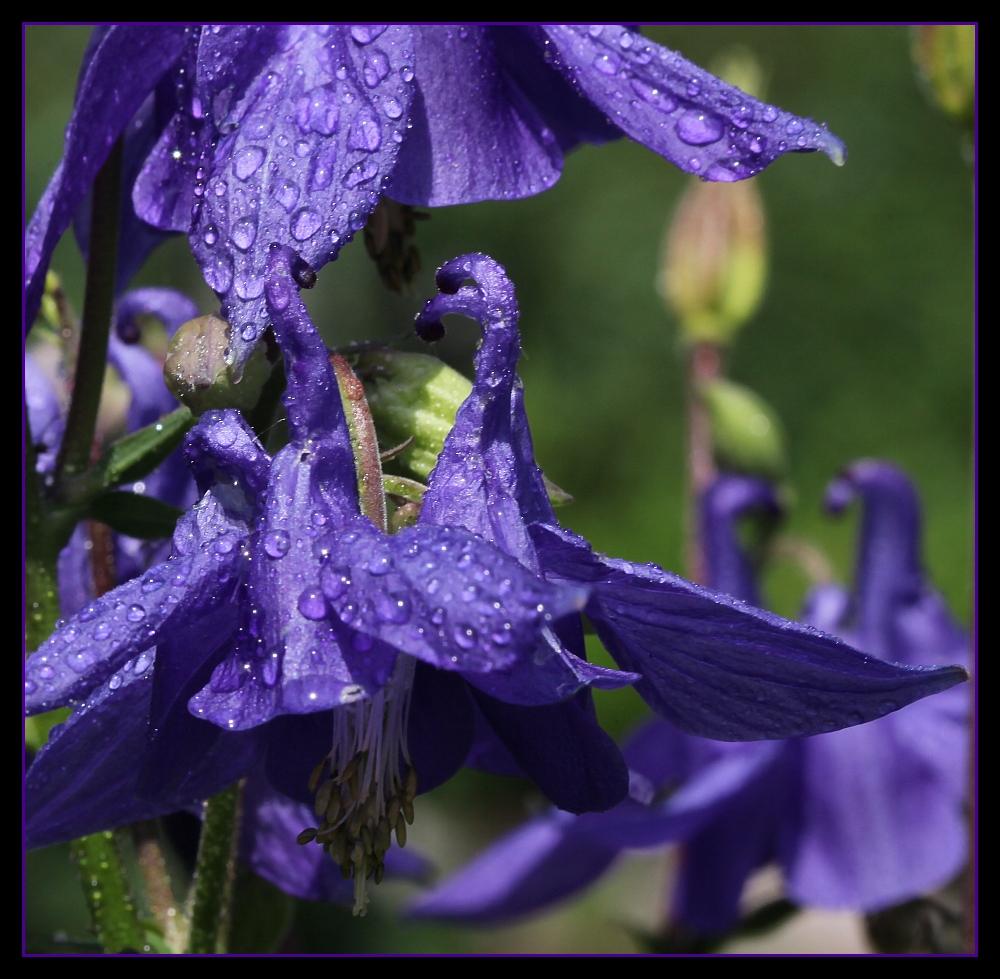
column 197, row 372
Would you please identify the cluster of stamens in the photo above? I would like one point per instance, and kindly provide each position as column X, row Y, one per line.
column 362, row 795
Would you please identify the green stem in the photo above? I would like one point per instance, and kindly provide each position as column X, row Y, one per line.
column 81, row 421
column 109, row 899
column 213, row 882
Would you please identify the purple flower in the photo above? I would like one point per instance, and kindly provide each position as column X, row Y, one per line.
column 285, row 627
column 863, row 818
column 149, row 398
column 244, row 135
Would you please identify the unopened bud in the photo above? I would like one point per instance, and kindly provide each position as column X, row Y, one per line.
column 197, row 372
column 746, row 434
column 715, row 259
column 945, row 56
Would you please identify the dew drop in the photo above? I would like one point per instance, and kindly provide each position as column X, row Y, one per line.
column 277, row 543
column 151, row 584
column 406, row 74
column 793, row 127
column 312, row 604
column 248, row 161
column 101, row 631
column 465, row 636
column 305, row 224
column 46, row 672
column 376, row 67
column 211, row 235
column 224, row 545
column 392, row 108
column 87, row 613
column 662, row 101
column 698, row 128
column 769, row 114
column 359, row 173
column 115, row 682
column 607, row 64
column 333, row 582
column 244, row 234
column 366, row 33
column 30, row 687
column 142, row 662
column 135, row 613
column 366, row 132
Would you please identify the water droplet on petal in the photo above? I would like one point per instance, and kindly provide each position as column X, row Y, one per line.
column 366, row 131
column 376, row 67
column 465, row 636
column 287, row 195
column 769, row 114
column 101, row 631
column 136, row 613
column 248, row 161
column 392, row 108
column 406, row 74
column 211, row 235
column 333, row 582
column 244, row 233
column 793, row 127
column 277, row 543
column 698, row 128
column 312, row 604
column 366, row 33
column 115, row 682
column 151, row 584
column 305, row 224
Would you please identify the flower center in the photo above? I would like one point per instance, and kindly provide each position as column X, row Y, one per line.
column 362, row 795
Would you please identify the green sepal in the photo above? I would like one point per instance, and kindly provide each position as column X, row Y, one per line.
column 135, row 514
column 747, row 436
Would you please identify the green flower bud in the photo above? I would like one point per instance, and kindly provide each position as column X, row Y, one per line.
column 197, row 373
column 945, row 56
column 412, row 396
column 714, row 263
column 747, row 436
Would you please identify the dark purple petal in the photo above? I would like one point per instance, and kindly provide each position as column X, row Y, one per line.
column 534, row 866
column 172, row 308
column 699, row 123
column 121, row 625
column 441, row 725
column 723, row 503
column 124, row 64
column 563, row 750
column 719, row 668
column 472, row 135
column 84, row 779
column 570, row 116
column 309, row 120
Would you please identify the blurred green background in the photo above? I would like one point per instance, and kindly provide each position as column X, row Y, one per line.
column 864, row 345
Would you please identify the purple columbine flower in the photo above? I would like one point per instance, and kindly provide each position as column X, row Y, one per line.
column 286, row 627
column 243, row 135
column 863, row 818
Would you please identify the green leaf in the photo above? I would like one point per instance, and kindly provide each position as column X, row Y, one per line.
column 137, row 515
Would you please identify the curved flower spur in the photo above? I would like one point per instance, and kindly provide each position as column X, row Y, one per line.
column 247, row 134
column 712, row 664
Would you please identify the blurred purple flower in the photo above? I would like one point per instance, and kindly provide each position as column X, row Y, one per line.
column 243, row 135
column 863, row 818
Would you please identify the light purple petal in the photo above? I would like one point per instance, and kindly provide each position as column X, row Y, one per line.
column 699, row 123
column 472, row 134
column 534, row 866
column 722, row 504
column 881, row 816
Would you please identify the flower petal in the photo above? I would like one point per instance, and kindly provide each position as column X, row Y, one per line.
column 904, row 831
column 538, row 864
column 472, row 135
column 103, row 635
column 677, row 109
column 719, row 668
column 308, row 121
column 441, row 595
column 562, row 749
column 124, row 62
